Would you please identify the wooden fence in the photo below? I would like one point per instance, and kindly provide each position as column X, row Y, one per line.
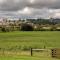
column 56, row 53
column 38, row 50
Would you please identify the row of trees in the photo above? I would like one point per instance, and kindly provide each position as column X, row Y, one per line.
column 27, row 27
column 45, row 21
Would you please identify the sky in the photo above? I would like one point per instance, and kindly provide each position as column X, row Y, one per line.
column 30, row 8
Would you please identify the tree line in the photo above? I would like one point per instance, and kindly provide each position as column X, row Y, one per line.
column 30, row 27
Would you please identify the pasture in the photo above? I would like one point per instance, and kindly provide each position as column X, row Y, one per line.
column 22, row 40
column 26, row 40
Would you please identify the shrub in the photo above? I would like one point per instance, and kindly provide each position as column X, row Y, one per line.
column 3, row 29
column 26, row 27
column 57, row 29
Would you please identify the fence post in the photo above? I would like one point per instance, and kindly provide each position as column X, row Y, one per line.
column 31, row 51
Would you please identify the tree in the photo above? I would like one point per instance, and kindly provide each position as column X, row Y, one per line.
column 26, row 27
column 3, row 29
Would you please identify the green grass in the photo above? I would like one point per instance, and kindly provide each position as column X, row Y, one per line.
column 33, row 39
column 25, row 58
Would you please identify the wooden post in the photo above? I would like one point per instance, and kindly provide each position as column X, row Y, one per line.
column 31, row 51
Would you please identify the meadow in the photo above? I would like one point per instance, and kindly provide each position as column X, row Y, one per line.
column 22, row 40
column 27, row 40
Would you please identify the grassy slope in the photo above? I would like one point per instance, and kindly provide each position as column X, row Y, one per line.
column 30, row 39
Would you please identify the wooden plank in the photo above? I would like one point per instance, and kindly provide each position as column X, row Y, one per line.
column 39, row 49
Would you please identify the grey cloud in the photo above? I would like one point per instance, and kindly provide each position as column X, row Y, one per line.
column 35, row 13
column 39, row 13
column 11, row 5
column 40, row 8
column 54, row 4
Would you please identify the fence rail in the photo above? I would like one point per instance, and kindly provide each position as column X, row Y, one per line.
column 38, row 50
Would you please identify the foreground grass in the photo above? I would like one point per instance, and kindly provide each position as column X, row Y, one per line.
column 25, row 58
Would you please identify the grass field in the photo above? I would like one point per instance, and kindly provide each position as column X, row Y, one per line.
column 30, row 39
column 17, row 41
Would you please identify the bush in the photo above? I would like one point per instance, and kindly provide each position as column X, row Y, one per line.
column 26, row 27
column 57, row 29
column 3, row 29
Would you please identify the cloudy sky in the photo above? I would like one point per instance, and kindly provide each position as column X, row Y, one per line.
column 30, row 8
